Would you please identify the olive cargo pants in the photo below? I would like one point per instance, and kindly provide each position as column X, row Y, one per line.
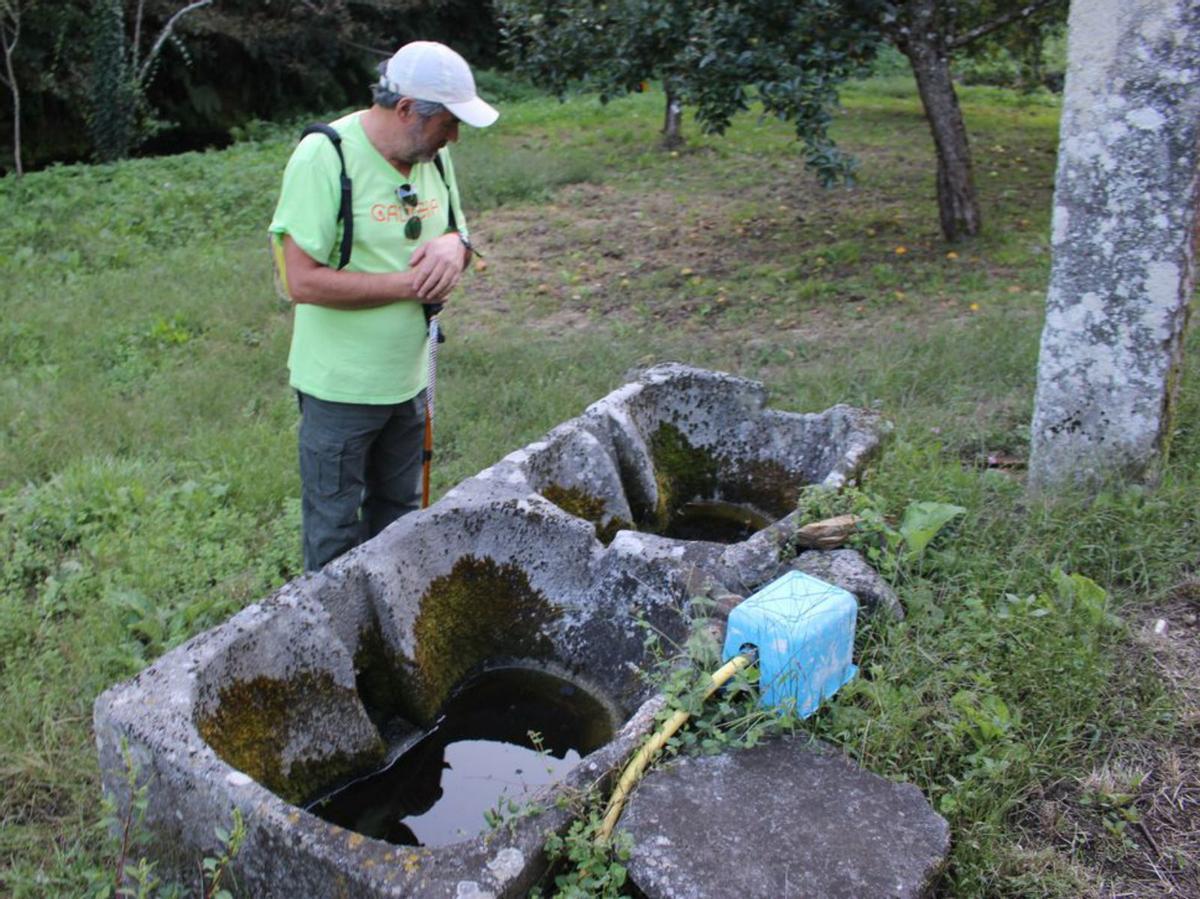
column 360, row 470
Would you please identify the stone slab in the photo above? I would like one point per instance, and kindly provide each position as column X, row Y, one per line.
column 788, row 818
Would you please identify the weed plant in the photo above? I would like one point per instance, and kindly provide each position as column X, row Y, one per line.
column 147, row 445
column 134, row 876
column 1005, row 677
column 586, row 860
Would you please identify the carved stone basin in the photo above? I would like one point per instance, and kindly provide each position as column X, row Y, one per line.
column 551, row 557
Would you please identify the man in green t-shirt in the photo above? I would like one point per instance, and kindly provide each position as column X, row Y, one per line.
column 359, row 351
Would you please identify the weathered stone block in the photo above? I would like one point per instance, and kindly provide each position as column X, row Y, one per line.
column 787, row 819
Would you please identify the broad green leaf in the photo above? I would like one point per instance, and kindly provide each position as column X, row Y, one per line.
column 923, row 520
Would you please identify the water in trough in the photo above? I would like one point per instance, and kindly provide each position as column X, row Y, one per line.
column 503, row 734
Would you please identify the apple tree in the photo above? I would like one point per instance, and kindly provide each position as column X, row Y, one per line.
column 708, row 55
column 717, row 55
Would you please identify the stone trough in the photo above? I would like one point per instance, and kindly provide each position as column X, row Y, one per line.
column 557, row 557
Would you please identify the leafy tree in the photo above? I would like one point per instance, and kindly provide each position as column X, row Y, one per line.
column 796, row 55
column 754, row 46
column 705, row 54
column 102, row 77
column 111, row 117
column 121, row 73
column 930, row 33
column 611, row 47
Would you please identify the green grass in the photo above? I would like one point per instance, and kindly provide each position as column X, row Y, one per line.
column 147, row 459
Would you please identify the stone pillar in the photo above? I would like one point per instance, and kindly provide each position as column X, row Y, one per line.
column 1125, row 201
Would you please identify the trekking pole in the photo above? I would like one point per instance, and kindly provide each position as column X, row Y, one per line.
column 435, row 337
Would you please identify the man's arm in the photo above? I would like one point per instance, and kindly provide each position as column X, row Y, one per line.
column 433, row 271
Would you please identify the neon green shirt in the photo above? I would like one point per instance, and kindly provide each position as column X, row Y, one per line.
column 378, row 355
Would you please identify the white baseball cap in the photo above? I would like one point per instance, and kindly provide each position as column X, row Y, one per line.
column 425, row 70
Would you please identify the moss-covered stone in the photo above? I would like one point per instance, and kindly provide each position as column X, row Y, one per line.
column 605, row 532
column 380, row 676
column 685, row 472
column 480, row 610
column 575, row 501
column 682, row 471
column 765, row 484
column 255, row 720
column 578, row 502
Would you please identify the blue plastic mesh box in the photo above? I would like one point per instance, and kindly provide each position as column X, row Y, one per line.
column 804, row 631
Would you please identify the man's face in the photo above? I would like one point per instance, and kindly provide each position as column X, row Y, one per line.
column 430, row 135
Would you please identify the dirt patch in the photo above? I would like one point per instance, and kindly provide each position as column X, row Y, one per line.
column 1172, row 634
column 1132, row 826
column 780, row 258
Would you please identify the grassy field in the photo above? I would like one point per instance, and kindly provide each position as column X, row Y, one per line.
column 148, row 481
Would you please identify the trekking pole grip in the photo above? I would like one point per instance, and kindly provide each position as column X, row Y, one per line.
column 430, row 310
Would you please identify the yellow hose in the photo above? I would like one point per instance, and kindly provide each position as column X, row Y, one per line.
column 637, row 766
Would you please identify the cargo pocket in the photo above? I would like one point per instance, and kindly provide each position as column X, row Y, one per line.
column 321, row 469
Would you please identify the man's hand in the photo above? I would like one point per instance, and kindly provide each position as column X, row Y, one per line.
column 436, row 267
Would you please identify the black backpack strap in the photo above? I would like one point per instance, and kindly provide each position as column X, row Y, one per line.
column 346, row 210
column 437, row 160
column 432, row 309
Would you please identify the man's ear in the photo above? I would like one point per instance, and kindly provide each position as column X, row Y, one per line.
column 404, row 109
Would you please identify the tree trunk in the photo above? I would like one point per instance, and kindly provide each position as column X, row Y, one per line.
column 16, row 93
column 1123, row 271
column 958, row 206
column 113, row 98
column 672, row 122
column 15, row 88
column 10, row 34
